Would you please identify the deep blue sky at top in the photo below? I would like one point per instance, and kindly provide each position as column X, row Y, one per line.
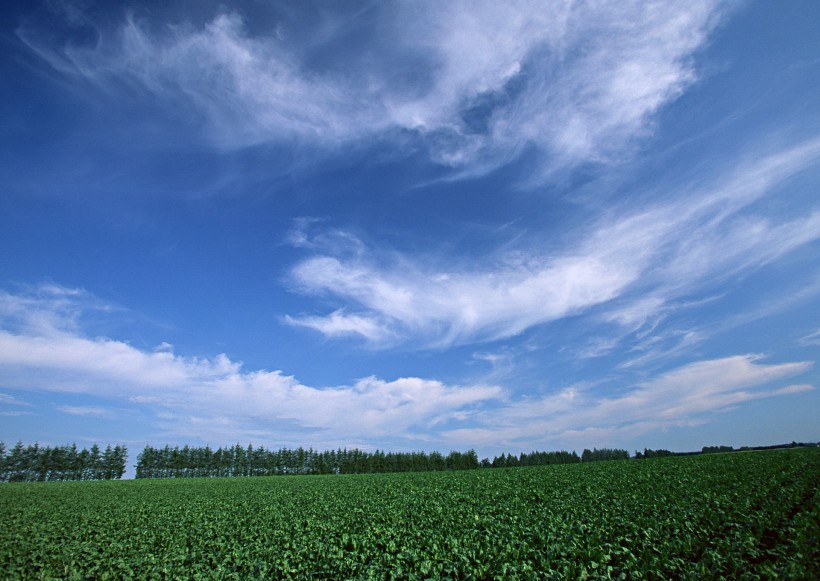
column 529, row 225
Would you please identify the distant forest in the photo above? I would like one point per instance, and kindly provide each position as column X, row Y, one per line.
column 188, row 462
column 35, row 463
column 44, row 463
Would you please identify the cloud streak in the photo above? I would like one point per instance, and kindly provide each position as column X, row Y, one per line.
column 683, row 396
column 644, row 258
column 473, row 83
column 84, row 411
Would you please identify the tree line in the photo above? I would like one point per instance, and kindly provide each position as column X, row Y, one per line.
column 597, row 455
column 647, row 453
column 197, row 462
column 45, row 463
column 35, row 463
column 532, row 459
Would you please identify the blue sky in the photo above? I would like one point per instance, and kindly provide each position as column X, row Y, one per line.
column 410, row 226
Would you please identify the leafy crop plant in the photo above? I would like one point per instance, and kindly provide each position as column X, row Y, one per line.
column 743, row 515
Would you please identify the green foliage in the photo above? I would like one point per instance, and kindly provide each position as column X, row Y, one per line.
column 189, row 462
column 743, row 515
column 716, row 449
column 648, row 453
column 533, row 459
column 596, row 455
column 35, row 463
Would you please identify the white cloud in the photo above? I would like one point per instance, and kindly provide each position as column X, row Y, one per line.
column 797, row 388
column 595, row 347
column 645, row 258
column 812, row 339
column 476, row 81
column 217, row 400
column 639, row 315
column 7, row 399
column 266, row 402
column 700, row 387
column 455, row 307
column 593, row 74
column 664, row 346
column 42, row 309
column 95, row 411
column 339, row 324
column 683, row 396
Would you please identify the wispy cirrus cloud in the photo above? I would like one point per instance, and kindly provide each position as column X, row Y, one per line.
column 811, row 339
column 340, row 324
column 445, row 308
column 645, row 258
column 48, row 306
column 92, row 411
column 686, row 395
column 475, row 83
column 8, row 399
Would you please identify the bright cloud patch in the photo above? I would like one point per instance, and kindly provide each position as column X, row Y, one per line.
column 454, row 307
column 476, row 81
column 682, row 396
column 95, row 411
column 60, row 360
column 645, row 257
column 339, row 324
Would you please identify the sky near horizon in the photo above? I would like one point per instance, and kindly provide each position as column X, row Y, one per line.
column 410, row 225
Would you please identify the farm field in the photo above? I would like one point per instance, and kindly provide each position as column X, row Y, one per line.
column 754, row 513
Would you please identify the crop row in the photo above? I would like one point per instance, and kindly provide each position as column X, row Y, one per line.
column 722, row 515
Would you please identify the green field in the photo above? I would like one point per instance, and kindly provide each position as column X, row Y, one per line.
column 733, row 515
